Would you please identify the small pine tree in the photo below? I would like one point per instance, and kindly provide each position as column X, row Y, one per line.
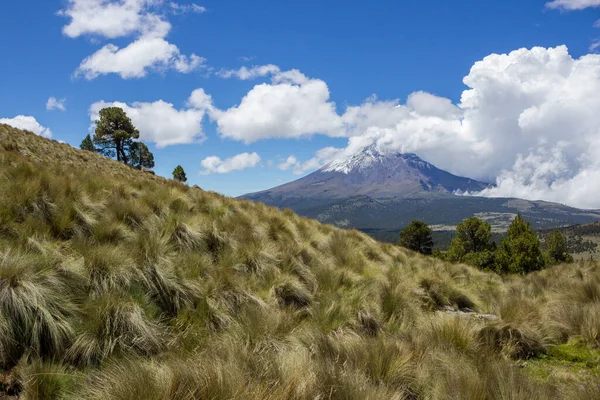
column 556, row 246
column 179, row 174
column 141, row 156
column 417, row 237
column 87, row 144
column 472, row 236
column 520, row 250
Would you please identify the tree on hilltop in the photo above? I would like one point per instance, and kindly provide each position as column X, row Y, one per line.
column 141, row 156
column 417, row 237
column 115, row 134
column 179, row 174
column 87, row 144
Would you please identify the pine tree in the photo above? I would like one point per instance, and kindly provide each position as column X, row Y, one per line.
column 556, row 247
column 520, row 250
column 87, row 144
column 472, row 236
column 115, row 134
column 141, row 156
column 179, row 174
column 417, row 237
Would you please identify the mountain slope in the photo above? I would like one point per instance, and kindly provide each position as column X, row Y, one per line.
column 374, row 174
column 373, row 191
column 115, row 284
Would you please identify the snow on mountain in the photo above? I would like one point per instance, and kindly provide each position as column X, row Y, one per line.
column 377, row 174
column 370, row 157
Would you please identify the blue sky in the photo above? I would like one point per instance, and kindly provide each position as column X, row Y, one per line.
column 349, row 52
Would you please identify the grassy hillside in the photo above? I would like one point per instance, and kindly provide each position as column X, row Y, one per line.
column 115, row 284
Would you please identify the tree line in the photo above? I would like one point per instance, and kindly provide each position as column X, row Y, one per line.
column 518, row 252
column 116, row 137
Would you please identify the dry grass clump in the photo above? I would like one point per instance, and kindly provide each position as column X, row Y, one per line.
column 115, row 284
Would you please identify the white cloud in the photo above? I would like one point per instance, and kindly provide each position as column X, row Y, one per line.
column 288, row 163
column 27, row 123
column 110, row 19
column 292, row 106
column 245, row 73
column 595, row 45
column 161, row 123
column 150, row 51
column 56, row 104
column 573, row 4
column 214, row 164
column 134, row 61
column 322, row 157
column 186, row 8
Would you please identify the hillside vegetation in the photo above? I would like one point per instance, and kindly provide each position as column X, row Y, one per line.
column 116, row 284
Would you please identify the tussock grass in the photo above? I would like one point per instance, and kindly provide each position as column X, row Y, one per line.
column 116, row 284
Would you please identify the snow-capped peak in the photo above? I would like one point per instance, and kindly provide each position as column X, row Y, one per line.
column 358, row 161
column 370, row 156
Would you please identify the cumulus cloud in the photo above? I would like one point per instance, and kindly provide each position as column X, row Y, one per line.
column 161, row 123
column 573, row 4
column 56, row 104
column 137, row 59
column 214, row 164
column 28, row 123
column 292, row 106
column 150, row 51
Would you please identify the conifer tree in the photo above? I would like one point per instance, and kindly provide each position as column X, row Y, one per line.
column 520, row 250
column 417, row 237
column 556, row 246
column 179, row 174
column 87, row 144
column 141, row 156
column 115, row 134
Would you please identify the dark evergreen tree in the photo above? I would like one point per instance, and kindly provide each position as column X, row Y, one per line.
column 87, row 144
column 472, row 236
column 520, row 250
column 141, row 156
column 179, row 174
column 556, row 246
column 417, row 237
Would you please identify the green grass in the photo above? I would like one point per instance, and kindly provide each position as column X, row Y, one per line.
column 116, row 284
